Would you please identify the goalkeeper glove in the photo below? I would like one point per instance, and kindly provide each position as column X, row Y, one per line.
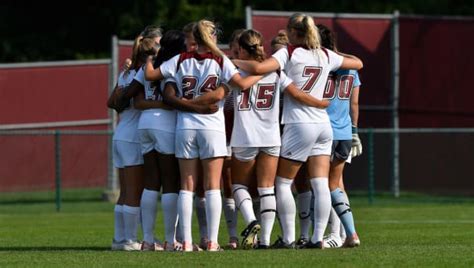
column 356, row 149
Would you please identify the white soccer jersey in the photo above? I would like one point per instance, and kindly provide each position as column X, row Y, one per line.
column 256, row 112
column 160, row 119
column 196, row 74
column 126, row 129
column 309, row 71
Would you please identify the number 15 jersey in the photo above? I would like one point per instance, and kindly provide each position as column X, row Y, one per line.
column 256, row 112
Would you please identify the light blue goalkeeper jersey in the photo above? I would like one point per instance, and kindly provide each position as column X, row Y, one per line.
column 339, row 90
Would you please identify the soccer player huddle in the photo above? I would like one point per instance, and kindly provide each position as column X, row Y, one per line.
column 193, row 122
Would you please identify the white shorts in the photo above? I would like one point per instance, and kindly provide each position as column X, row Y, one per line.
column 126, row 154
column 246, row 154
column 161, row 141
column 229, row 151
column 200, row 143
column 302, row 140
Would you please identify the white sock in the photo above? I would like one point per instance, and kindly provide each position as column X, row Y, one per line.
column 119, row 234
column 334, row 224
column 201, row 216
column 243, row 202
column 185, row 212
column 130, row 220
column 148, row 206
column 286, row 208
column 304, row 213
column 267, row 213
column 230, row 213
column 213, row 213
column 169, row 204
column 322, row 207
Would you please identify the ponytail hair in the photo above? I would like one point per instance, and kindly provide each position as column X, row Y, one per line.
column 305, row 28
column 203, row 32
column 252, row 42
column 135, row 58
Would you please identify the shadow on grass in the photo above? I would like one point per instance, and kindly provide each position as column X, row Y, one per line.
column 21, row 249
column 49, row 201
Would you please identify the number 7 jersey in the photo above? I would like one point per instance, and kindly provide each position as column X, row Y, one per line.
column 256, row 112
column 309, row 70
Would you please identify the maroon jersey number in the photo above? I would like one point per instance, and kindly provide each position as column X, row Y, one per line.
column 189, row 84
column 313, row 73
column 340, row 84
column 264, row 99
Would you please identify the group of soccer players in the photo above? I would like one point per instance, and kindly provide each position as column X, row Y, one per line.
column 171, row 137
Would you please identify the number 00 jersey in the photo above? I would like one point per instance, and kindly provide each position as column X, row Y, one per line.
column 256, row 112
column 309, row 70
column 195, row 74
column 339, row 90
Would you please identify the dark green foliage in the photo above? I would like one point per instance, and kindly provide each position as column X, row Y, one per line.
column 64, row 30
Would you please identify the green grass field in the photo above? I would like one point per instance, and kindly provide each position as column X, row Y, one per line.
column 414, row 230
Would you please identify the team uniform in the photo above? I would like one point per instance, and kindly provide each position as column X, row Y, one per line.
column 256, row 117
column 257, row 129
column 126, row 153
column 200, row 136
column 157, row 126
column 126, row 144
column 307, row 132
column 339, row 90
column 156, row 130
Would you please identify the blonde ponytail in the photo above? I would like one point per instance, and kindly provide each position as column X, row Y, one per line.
column 305, row 28
column 311, row 39
column 252, row 42
column 135, row 53
column 203, row 32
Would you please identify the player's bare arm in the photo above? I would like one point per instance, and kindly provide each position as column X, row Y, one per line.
column 255, row 67
column 170, row 98
column 140, row 103
column 350, row 62
column 212, row 96
column 245, row 83
column 152, row 74
column 306, row 98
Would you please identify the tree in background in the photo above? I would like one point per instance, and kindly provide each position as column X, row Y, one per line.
column 82, row 29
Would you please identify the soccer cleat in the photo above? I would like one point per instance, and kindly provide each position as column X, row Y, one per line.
column 176, row 246
column 132, row 246
column 351, row 242
column 249, row 234
column 301, row 242
column 213, row 247
column 187, row 247
column 280, row 244
column 332, row 241
column 233, row 243
column 310, row 244
column 156, row 246
column 117, row 245
column 261, row 246
column 203, row 242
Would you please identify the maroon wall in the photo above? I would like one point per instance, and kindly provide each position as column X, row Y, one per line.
column 51, row 94
column 435, row 67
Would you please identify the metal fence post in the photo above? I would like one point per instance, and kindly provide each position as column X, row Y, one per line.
column 395, row 103
column 57, row 157
column 111, row 193
column 370, row 155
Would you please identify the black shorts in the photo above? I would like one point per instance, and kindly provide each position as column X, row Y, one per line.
column 341, row 149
